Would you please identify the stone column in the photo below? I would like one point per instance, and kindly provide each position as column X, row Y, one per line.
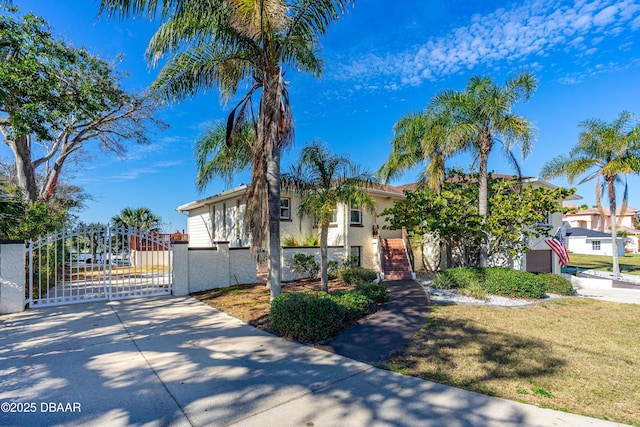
column 12, row 276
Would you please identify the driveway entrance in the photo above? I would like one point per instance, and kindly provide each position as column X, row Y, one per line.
column 97, row 263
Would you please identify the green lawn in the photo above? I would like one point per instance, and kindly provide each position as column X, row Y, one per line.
column 573, row 354
column 629, row 264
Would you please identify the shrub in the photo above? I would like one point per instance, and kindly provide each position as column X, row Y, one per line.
column 556, row 284
column 289, row 241
column 332, row 269
column 303, row 263
column 376, row 292
column 306, row 316
column 355, row 304
column 478, row 282
column 357, row 275
column 513, row 283
column 460, row 278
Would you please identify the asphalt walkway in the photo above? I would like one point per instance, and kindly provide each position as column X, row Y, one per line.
column 389, row 328
column 175, row 361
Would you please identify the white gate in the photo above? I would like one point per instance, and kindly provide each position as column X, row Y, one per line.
column 91, row 264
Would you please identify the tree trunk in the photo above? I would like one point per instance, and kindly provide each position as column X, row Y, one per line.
column 614, row 227
column 324, row 269
column 25, row 172
column 272, row 93
column 483, row 196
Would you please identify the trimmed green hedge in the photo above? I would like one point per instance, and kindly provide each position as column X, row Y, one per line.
column 479, row 282
column 557, row 284
column 356, row 305
column 306, row 316
column 316, row 316
column 357, row 275
column 376, row 292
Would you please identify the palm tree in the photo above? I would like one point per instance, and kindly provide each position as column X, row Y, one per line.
column 605, row 153
column 418, row 139
column 230, row 43
column 324, row 179
column 455, row 121
column 140, row 218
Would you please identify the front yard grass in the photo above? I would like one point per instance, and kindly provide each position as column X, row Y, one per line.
column 629, row 264
column 575, row 355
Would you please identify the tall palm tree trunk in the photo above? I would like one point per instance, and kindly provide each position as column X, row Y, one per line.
column 324, row 237
column 483, row 196
column 272, row 93
column 614, row 226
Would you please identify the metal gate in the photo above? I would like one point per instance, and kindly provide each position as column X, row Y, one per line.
column 97, row 263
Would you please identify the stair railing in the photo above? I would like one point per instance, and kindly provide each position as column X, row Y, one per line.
column 407, row 248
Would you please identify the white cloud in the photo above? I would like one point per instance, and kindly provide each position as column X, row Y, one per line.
column 522, row 33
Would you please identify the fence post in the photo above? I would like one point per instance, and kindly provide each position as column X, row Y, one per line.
column 12, row 276
column 180, row 279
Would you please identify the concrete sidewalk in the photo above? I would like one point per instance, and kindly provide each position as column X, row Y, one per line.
column 168, row 361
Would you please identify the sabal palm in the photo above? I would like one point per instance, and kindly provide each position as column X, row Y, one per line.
column 228, row 43
column 605, row 152
column 324, row 179
column 140, row 218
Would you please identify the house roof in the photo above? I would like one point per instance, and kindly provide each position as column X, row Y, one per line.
column 382, row 190
column 595, row 211
column 220, row 196
column 585, row 232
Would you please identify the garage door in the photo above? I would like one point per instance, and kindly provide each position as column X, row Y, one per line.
column 539, row 261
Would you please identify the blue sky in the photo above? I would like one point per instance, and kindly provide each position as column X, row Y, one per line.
column 381, row 61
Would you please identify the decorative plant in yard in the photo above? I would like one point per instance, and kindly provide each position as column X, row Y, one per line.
column 518, row 213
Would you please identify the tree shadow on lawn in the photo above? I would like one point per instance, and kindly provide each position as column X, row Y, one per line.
column 462, row 354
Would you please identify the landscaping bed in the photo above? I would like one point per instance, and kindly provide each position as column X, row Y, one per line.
column 251, row 303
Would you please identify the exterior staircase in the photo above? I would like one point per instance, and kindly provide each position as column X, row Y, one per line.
column 395, row 264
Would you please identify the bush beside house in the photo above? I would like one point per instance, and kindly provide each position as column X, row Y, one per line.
column 480, row 282
column 316, row 316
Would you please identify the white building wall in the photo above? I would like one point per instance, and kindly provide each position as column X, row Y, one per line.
column 584, row 245
column 242, row 266
column 199, row 228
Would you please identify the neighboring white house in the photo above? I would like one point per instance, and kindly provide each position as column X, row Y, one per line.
column 590, row 242
column 593, row 219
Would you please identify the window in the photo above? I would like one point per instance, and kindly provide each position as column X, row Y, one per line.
column 356, row 216
column 354, row 255
column 595, row 245
column 285, row 208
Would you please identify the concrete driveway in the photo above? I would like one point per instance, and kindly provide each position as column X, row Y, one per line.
column 166, row 361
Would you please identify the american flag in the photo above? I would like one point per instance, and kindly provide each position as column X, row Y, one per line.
column 557, row 245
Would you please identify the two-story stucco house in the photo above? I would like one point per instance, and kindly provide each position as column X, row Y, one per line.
column 354, row 232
